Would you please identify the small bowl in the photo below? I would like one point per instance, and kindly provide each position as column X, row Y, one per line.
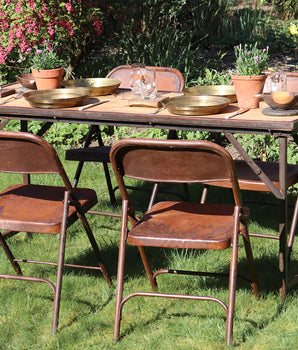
column 280, row 100
column 27, row 81
column 213, row 90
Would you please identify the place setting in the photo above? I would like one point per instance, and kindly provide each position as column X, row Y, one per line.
column 71, row 93
column 279, row 97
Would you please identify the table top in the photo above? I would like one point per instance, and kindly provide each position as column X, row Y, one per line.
column 117, row 111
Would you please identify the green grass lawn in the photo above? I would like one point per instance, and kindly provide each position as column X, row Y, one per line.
column 87, row 304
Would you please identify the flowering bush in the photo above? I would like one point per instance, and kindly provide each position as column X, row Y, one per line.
column 250, row 60
column 24, row 24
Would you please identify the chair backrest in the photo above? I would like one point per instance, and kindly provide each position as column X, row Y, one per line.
column 25, row 153
column 168, row 79
column 176, row 161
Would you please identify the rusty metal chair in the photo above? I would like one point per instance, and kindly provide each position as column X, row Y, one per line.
column 168, row 79
column 249, row 180
column 40, row 208
column 172, row 224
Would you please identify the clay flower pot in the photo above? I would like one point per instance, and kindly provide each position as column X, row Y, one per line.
column 48, row 79
column 247, row 87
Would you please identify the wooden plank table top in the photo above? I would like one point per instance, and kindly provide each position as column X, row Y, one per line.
column 117, row 111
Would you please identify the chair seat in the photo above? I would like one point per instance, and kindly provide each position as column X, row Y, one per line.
column 185, row 225
column 36, row 208
column 248, row 180
column 90, row 154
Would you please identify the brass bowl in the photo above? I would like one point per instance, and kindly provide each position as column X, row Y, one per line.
column 96, row 86
column 56, row 98
column 27, row 81
column 195, row 105
column 280, row 100
column 214, row 90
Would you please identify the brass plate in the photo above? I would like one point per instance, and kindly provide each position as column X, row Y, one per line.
column 56, row 98
column 292, row 101
column 96, row 86
column 216, row 90
column 196, row 105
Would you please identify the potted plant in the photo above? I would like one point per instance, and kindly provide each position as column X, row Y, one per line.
column 250, row 78
column 47, row 68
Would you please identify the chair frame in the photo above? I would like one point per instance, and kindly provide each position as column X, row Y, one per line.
column 17, row 149
column 125, row 158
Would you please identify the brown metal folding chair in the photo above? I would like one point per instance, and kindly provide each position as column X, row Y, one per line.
column 168, row 79
column 41, row 208
column 172, row 224
column 249, row 180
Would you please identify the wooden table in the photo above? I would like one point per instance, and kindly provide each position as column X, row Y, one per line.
column 116, row 112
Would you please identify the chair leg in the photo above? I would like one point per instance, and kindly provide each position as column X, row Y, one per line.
column 109, row 184
column 153, row 195
column 10, row 256
column 95, row 248
column 60, row 263
column 147, row 267
column 250, row 259
column 232, row 282
column 94, row 131
column 292, row 230
column 120, row 271
column 204, row 194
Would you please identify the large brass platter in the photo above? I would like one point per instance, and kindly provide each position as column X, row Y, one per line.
column 56, row 98
column 216, row 90
column 196, row 105
column 96, row 86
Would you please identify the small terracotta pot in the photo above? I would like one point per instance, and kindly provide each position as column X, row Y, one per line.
column 48, row 79
column 247, row 87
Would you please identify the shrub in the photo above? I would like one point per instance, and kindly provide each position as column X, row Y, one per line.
column 72, row 25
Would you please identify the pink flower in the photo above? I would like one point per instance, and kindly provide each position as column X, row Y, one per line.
column 98, row 27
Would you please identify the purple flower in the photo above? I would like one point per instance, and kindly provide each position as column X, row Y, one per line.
column 38, row 51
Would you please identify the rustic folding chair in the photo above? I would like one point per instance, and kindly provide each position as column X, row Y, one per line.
column 172, row 224
column 250, row 178
column 41, row 208
column 168, row 79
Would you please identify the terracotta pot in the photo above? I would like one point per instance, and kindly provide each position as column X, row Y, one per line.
column 48, row 79
column 247, row 87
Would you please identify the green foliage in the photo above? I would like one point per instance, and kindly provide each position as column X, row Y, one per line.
column 62, row 135
column 185, row 27
column 212, row 77
column 266, row 148
column 286, row 9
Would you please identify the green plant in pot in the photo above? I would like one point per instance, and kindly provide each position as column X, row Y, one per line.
column 47, row 68
column 249, row 79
